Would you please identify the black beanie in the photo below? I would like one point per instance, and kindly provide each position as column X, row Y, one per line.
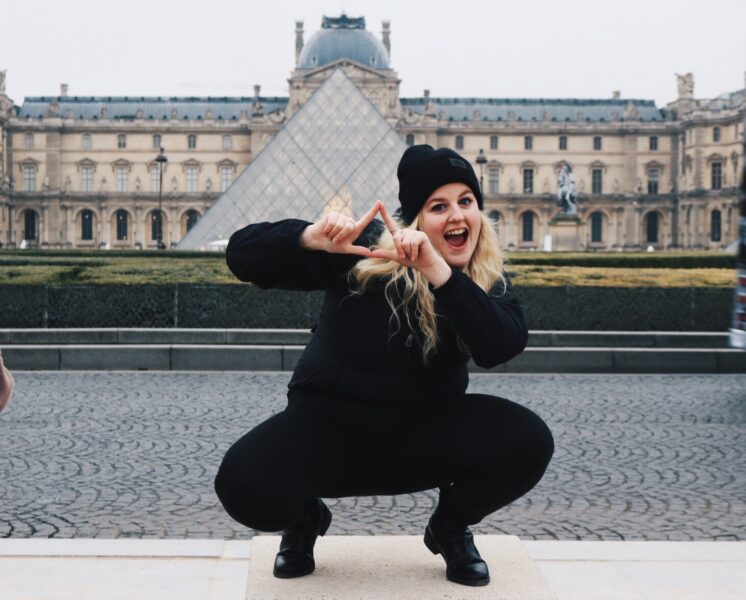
column 422, row 170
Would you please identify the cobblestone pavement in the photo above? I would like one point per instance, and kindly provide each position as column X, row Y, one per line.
column 658, row 457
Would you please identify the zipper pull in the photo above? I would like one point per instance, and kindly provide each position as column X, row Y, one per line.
column 408, row 343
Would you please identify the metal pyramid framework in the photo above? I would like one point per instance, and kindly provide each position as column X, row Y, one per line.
column 337, row 153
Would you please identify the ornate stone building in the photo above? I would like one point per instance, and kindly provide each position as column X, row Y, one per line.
column 81, row 171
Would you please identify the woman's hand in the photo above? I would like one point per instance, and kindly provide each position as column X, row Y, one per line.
column 6, row 384
column 413, row 249
column 335, row 233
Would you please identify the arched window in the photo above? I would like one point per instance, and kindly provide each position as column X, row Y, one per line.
column 86, row 225
column 459, row 142
column 410, row 139
column 156, row 229
column 563, row 142
column 597, row 220
column 597, row 142
column 527, row 220
column 715, row 226
column 192, row 141
column 652, row 227
column 716, row 134
column 29, row 224
column 191, row 220
column 493, row 142
column 122, row 224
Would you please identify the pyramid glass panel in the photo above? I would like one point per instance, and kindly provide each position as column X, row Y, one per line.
column 337, row 153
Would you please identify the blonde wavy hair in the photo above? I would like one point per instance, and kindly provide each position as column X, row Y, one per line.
column 484, row 268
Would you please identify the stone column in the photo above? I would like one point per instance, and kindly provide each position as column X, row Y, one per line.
column 103, row 225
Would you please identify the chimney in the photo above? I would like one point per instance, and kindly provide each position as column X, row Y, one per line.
column 386, row 35
column 298, row 40
column 616, row 94
column 426, row 93
column 63, row 90
column 257, row 89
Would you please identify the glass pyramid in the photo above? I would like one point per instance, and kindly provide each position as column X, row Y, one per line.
column 337, row 153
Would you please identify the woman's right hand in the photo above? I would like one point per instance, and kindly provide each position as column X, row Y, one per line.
column 335, row 233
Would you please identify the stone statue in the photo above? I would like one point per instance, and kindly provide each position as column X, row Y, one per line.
column 686, row 85
column 566, row 196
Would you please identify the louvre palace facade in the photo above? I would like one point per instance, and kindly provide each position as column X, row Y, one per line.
column 81, row 172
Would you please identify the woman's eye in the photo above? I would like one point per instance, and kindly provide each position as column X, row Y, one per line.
column 466, row 201
column 437, row 207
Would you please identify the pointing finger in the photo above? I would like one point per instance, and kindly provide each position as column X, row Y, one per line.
column 390, row 224
column 368, row 217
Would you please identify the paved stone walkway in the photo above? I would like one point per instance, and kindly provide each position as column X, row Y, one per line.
column 133, row 454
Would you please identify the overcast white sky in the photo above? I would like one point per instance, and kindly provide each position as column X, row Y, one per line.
column 463, row 48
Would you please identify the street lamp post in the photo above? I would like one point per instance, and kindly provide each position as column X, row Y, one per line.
column 161, row 160
column 481, row 161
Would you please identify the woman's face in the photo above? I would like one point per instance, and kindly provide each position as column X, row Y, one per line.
column 452, row 221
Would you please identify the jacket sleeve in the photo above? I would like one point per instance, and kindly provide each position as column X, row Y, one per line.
column 270, row 256
column 492, row 325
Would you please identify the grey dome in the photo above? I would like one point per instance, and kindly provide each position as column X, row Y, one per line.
column 354, row 42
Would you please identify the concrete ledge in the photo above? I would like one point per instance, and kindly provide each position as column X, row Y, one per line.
column 268, row 336
column 115, row 358
column 226, row 358
column 171, row 336
column 32, row 358
column 63, row 336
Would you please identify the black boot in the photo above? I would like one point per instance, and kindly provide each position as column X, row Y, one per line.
column 455, row 543
column 295, row 557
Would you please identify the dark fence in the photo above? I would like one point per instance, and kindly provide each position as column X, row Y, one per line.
column 246, row 306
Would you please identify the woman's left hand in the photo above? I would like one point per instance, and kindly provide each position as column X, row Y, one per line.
column 413, row 249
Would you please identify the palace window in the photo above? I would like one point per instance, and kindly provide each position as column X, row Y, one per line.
column 597, row 220
column 652, row 227
column 410, row 139
column 227, row 142
column 121, row 141
column 493, row 181
column 191, row 141
column 29, row 225
column 597, row 142
column 29, row 178
column 226, row 177
column 191, row 179
column 527, row 220
column 157, row 141
column 597, row 181
column 122, row 219
column 155, row 180
column 121, row 178
column 29, row 140
column 191, row 220
column 86, row 179
column 653, row 179
column 528, row 142
column 563, row 142
column 156, row 229
column 86, row 225
column 715, row 226
column 716, row 134
column 653, row 143
column 716, row 170
column 493, row 142
column 87, row 143
column 528, row 181
column 459, row 142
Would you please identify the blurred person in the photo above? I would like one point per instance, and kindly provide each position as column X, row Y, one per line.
column 6, row 384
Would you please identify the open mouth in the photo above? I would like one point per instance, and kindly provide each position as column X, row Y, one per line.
column 457, row 238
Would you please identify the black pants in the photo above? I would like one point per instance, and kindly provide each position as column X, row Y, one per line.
column 482, row 451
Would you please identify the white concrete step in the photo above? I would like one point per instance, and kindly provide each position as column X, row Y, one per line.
column 367, row 567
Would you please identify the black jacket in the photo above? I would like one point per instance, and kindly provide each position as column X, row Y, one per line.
column 351, row 353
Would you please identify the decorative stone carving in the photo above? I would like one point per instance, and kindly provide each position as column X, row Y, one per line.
column 566, row 195
column 685, row 84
